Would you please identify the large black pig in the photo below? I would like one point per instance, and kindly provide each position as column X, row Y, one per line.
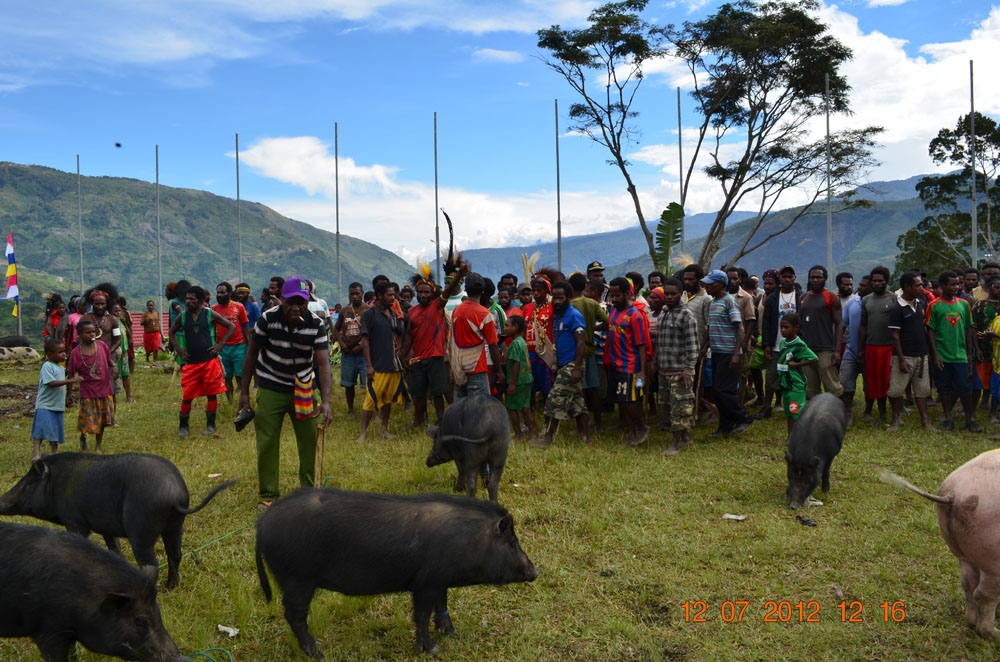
column 815, row 441
column 357, row 543
column 132, row 495
column 58, row 588
column 475, row 433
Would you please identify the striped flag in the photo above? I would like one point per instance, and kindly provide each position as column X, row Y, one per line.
column 11, row 274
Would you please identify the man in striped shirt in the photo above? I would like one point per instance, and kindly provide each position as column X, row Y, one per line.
column 625, row 358
column 725, row 338
column 286, row 345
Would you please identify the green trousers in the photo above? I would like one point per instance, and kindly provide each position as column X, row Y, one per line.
column 271, row 410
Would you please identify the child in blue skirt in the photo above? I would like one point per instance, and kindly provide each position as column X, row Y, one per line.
column 50, row 402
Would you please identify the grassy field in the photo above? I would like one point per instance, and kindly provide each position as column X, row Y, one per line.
column 632, row 547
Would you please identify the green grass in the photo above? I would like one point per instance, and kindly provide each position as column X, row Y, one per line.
column 623, row 538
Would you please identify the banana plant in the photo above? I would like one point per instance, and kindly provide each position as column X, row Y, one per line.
column 669, row 233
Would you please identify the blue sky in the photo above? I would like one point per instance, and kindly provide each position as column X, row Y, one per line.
column 187, row 75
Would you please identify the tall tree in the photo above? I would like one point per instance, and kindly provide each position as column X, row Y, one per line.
column 955, row 147
column 612, row 49
column 942, row 239
column 758, row 70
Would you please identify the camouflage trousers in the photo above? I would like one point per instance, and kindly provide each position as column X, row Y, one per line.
column 565, row 401
column 676, row 403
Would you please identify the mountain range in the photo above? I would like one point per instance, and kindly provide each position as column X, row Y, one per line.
column 200, row 240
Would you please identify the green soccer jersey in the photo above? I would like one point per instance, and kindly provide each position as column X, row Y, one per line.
column 517, row 352
column 949, row 320
column 793, row 379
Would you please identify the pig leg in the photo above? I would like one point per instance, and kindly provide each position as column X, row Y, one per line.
column 442, row 621
column 471, row 478
column 970, row 580
column 296, row 599
column 172, row 536
column 112, row 543
column 826, row 474
column 986, row 595
column 424, row 601
column 54, row 647
column 144, row 552
column 494, row 485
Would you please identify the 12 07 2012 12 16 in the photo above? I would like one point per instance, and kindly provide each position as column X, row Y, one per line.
column 793, row 611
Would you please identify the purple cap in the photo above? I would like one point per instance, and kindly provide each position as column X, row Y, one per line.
column 295, row 287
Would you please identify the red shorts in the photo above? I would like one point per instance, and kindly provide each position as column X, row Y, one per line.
column 151, row 341
column 202, row 379
column 878, row 370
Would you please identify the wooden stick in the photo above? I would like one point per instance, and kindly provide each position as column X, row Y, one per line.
column 318, row 465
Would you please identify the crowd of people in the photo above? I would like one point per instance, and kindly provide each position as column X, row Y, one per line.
column 723, row 348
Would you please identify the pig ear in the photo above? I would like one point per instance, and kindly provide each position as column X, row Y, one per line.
column 505, row 526
column 39, row 467
column 115, row 603
column 151, row 572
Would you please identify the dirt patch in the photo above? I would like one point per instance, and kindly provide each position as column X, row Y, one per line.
column 17, row 400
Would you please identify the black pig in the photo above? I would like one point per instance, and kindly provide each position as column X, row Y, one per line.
column 58, row 588
column 815, row 441
column 475, row 433
column 357, row 543
column 133, row 495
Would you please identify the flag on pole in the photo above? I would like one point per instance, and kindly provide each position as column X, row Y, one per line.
column 11, row 274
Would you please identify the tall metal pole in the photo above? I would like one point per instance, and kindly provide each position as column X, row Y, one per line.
column 159, row 263
column 972, row 168
column 79, row 220
column 680, row 164
column 336, row 202
column 239, row 217
column 829, row 198
column 437, row 206
column 558, row 197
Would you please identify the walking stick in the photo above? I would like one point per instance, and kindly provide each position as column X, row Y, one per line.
column 318, row 463
column 697, row 388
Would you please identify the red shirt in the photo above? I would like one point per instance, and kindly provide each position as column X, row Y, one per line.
column 470, row 311
column 544, row 316
column 427, row 330
column 235, row 313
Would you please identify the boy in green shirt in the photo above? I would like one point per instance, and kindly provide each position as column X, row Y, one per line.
column 793, row 354
column 519, row 379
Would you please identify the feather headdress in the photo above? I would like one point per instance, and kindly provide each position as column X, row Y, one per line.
column 529, row 262
column 423, row 275
column 453, row 260
column 547, row 276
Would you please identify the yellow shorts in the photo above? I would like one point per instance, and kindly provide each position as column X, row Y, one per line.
column 383, row 389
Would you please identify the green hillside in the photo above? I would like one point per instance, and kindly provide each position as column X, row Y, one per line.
column 198, row 240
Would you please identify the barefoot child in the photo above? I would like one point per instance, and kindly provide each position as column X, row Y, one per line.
column 519, row 379
column 93, row 363
column 50, row 403
column 792, row 355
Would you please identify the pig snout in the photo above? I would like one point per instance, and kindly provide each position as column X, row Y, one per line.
column 528, row 571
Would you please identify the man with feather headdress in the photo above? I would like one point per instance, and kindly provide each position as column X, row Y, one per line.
column 538, row 315
column 424, row 344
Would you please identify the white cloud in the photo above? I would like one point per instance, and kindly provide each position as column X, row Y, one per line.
column 373, row 201
column 494, row 55
column 912, row 97
column 885, row 3
column 306, row 162
column 110, row 34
